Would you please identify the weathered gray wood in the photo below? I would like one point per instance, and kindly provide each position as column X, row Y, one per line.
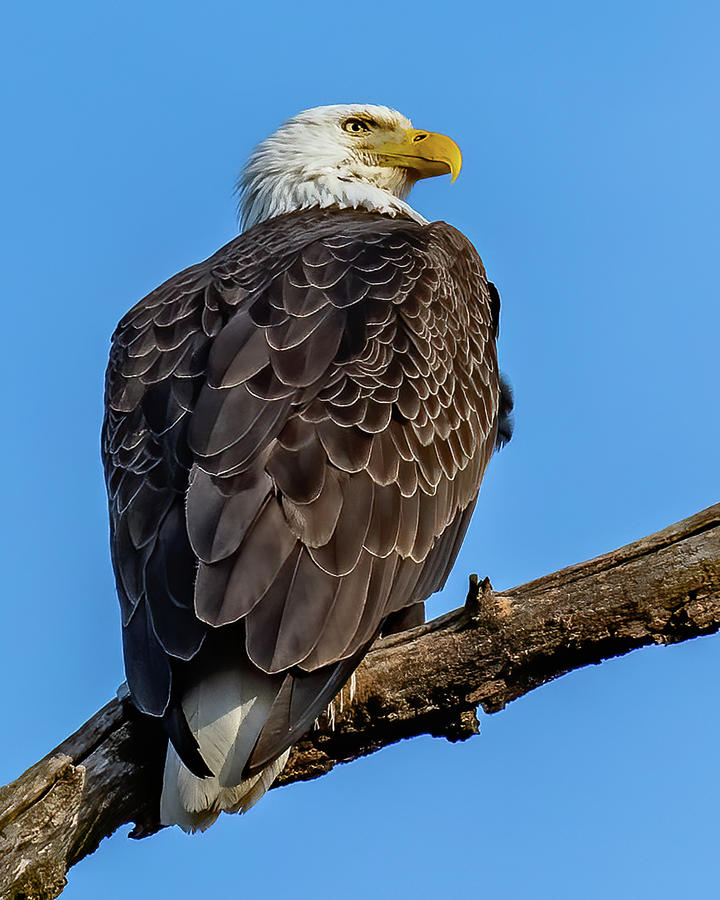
column 662, row 589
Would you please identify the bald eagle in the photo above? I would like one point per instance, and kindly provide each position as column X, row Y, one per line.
column 294, row 438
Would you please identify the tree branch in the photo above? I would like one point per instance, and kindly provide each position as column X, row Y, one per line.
column 430, row 680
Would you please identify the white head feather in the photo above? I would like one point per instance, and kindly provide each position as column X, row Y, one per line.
column 311, row 161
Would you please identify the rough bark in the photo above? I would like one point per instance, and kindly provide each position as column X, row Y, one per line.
column 430, row 680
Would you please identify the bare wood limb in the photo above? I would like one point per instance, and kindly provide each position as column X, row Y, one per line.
column 662, row 589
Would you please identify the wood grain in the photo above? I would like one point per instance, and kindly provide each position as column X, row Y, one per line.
column 430, row 680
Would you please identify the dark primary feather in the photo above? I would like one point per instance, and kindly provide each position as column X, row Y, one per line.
column 295, row 434
column 506, row 422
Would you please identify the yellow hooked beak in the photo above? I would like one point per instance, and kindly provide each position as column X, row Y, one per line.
column 426, row 154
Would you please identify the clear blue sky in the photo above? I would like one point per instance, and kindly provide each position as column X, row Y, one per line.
column 590, row 136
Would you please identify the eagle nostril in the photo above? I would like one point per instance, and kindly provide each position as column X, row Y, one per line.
column 419, row 137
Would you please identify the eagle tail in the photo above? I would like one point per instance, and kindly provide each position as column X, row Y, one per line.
column 225, row 711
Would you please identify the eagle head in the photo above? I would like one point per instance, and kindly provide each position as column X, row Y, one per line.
column 349, row 156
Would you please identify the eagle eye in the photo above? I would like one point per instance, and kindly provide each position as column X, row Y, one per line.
column 355, row 126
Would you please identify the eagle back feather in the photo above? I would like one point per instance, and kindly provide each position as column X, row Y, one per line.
column 296, row 430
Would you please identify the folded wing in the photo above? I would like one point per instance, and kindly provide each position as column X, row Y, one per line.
column 295, row 435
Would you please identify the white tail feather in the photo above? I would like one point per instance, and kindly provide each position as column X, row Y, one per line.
column 225, row 712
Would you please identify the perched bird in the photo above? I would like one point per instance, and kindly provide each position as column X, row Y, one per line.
column 294, row 438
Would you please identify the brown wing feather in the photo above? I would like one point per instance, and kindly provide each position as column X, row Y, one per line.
column 305, row 417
